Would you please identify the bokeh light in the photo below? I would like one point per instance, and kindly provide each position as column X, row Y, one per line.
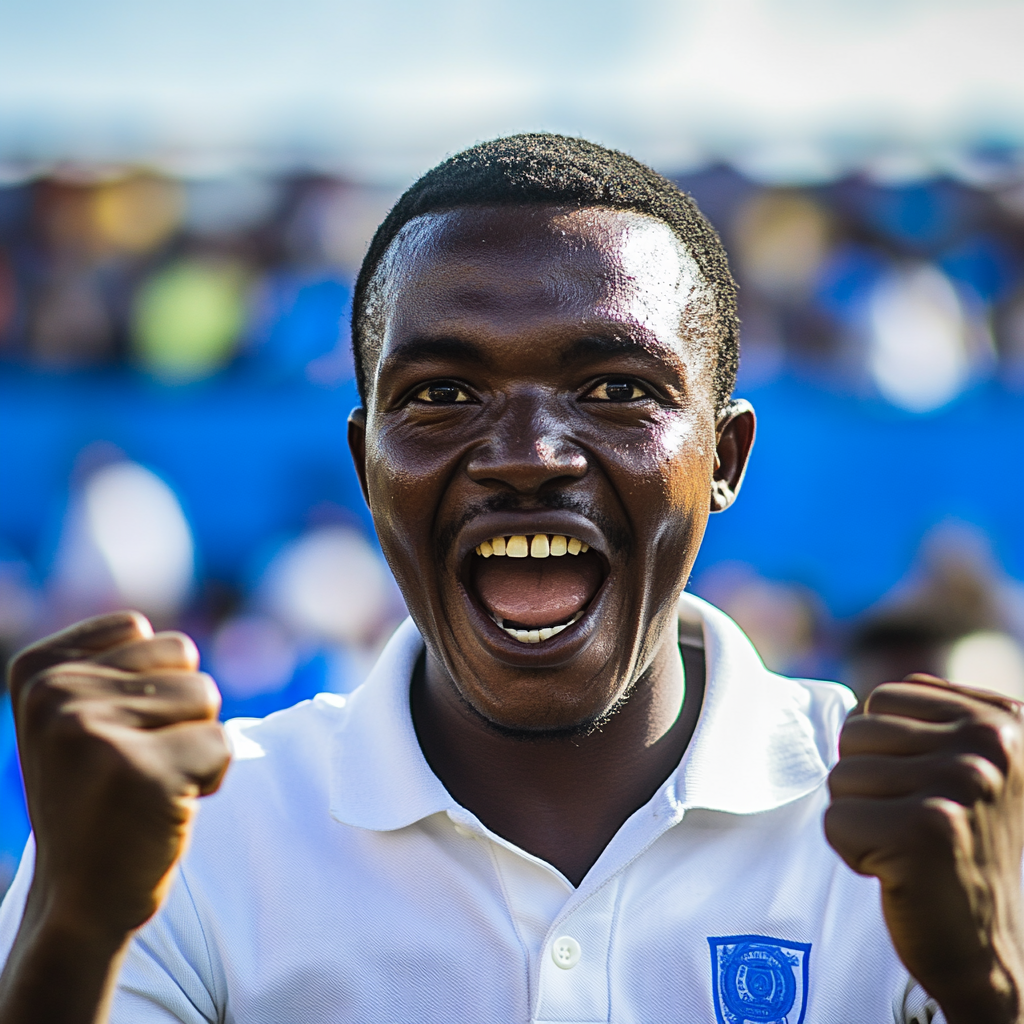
column 125, row 543
column 918, row 355
column 188, row 318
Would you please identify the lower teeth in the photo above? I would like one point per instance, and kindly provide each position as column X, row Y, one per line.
column 535, row 636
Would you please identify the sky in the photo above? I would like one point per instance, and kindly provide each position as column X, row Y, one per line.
column 379, row 90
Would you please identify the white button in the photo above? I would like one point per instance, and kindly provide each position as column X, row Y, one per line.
column 565, row 952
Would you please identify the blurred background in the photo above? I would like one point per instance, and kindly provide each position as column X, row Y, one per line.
column 185, row 195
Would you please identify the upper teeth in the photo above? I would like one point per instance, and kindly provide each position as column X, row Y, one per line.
column 537, row 545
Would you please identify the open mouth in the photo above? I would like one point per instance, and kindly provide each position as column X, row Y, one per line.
column 534, row 586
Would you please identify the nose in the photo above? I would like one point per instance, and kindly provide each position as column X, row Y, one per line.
column 528, row 450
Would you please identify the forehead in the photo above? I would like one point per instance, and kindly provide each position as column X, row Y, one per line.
column 527, row 265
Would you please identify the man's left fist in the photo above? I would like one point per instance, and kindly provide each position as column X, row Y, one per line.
column 928, row 796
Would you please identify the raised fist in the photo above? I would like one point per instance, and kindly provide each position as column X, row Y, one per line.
column 928, row 796
column 118, row 736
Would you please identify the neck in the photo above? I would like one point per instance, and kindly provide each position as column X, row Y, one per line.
column 561, row 798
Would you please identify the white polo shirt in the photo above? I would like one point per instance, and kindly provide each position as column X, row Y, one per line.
column 334, row 879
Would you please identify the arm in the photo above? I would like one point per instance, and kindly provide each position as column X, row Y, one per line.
column 928, row 797
column 118, row 737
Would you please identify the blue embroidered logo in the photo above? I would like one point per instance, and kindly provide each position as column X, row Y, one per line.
column 759, row 980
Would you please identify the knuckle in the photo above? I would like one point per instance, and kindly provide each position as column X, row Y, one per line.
column 936, row 822
column 883, row 696
column 1011, row 734
column 842, row 777
column 835, row 823
column 977, row 777
column 854, row 734
column 223, row 744
column 210, row 698
column 985, row 737
column 842, row 835
column 182, row 641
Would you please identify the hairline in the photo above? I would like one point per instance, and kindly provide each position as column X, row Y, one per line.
column 704, row 288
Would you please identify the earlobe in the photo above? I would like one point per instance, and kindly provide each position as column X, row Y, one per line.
column 357, row 445
column 734, row 434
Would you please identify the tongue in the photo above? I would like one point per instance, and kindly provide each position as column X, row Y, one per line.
column 537, row 592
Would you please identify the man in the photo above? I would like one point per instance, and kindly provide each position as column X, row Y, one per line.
column 567, row 791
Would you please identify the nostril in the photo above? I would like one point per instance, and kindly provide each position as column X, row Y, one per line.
column 526, row 470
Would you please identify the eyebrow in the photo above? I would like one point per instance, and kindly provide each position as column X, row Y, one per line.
column 424, row 350
column 599, row 346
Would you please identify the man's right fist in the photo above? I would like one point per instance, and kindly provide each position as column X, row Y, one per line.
column 118, row 735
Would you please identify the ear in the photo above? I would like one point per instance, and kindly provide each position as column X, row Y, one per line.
column 734, row 437
column 357, row 445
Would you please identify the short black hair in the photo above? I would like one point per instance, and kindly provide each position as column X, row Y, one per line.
column 563, row 171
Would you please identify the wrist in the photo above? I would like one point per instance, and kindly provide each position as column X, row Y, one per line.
column 62, row 968
column 57, row 920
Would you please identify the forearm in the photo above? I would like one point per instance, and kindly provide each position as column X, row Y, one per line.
column 58, row 971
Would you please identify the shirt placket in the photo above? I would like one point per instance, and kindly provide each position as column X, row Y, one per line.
column 573, row 980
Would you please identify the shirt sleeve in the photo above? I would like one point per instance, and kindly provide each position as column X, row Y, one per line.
column 168, row 976
column 13, row 907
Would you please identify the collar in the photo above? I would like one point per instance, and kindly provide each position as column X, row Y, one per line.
column 380, row 779
column 762, row 740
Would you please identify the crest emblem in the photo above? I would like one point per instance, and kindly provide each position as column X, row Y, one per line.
column 759, row 980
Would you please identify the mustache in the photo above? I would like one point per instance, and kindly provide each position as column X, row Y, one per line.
column 618, row 538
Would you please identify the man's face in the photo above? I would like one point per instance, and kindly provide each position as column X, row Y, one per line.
column 532, row 382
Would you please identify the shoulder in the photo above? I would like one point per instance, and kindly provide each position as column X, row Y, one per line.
column 299, row 732
column 280, row 769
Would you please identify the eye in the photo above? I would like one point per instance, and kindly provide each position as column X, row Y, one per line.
column 442, row 392
column 617, row 389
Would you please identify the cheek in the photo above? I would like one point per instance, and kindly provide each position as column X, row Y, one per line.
column 680, row 460
column 666, row 484
column 676, row 437
column 401, row 459
column 404, row 476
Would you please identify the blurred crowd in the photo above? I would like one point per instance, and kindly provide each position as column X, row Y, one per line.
column 899, row 291
column 908, row 293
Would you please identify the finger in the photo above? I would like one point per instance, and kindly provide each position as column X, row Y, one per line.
column 894, row 735
column 82, row 640
column 965, row 778
column 999, row 700
column 891, row 839
column 148, row 700
column 156, row 700
column 923, row 701
column 163, row 650
column 199, row 752
column 935, row 699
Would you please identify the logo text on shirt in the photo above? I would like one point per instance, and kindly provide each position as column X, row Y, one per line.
column 759, row 980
